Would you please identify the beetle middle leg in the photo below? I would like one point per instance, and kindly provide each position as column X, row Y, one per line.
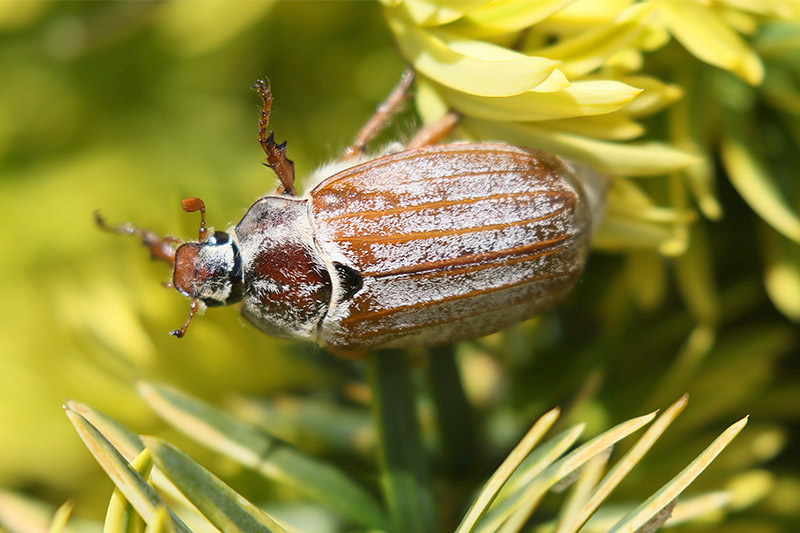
column 382, row 115
column 435, row 131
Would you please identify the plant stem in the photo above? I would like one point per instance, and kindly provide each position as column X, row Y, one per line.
column 406, row 485
column 453, row 411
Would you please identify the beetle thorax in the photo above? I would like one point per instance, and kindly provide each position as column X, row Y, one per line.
column 287, row 285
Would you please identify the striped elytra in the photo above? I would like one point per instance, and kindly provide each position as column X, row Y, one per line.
column 451, row 242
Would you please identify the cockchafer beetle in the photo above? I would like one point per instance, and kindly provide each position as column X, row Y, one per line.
column 426, row 244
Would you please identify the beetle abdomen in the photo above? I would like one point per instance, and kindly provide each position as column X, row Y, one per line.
column 452, row 242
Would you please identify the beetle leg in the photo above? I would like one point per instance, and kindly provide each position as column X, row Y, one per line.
column 435, row 131
column 382, row 115
column 160, row 249
column 193, row 308
column 276, row 153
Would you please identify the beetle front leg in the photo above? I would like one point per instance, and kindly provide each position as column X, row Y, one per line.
column 383, row 114
column 276, row 153
column 160, row 249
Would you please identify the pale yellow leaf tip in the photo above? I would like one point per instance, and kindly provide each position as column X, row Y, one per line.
column 681, row 403
column 61, row 517
column 751, row 69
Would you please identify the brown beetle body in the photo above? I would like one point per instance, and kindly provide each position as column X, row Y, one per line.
column 426, row 246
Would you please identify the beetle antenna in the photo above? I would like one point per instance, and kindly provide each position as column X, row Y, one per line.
column 190, row 205
column 160, row 249
column 193, row 307
column 276, row 153
column 378, row 121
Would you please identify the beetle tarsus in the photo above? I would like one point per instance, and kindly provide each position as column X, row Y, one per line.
column 193, row 307
column 276, row 153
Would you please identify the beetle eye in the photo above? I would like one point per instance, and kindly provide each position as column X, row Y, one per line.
column 219, row 237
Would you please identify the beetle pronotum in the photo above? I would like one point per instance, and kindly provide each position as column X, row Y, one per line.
column 424, row 244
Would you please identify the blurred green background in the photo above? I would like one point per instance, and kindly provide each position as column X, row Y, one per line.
column 128, row 107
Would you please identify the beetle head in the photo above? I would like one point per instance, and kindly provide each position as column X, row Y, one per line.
column 210, row 270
